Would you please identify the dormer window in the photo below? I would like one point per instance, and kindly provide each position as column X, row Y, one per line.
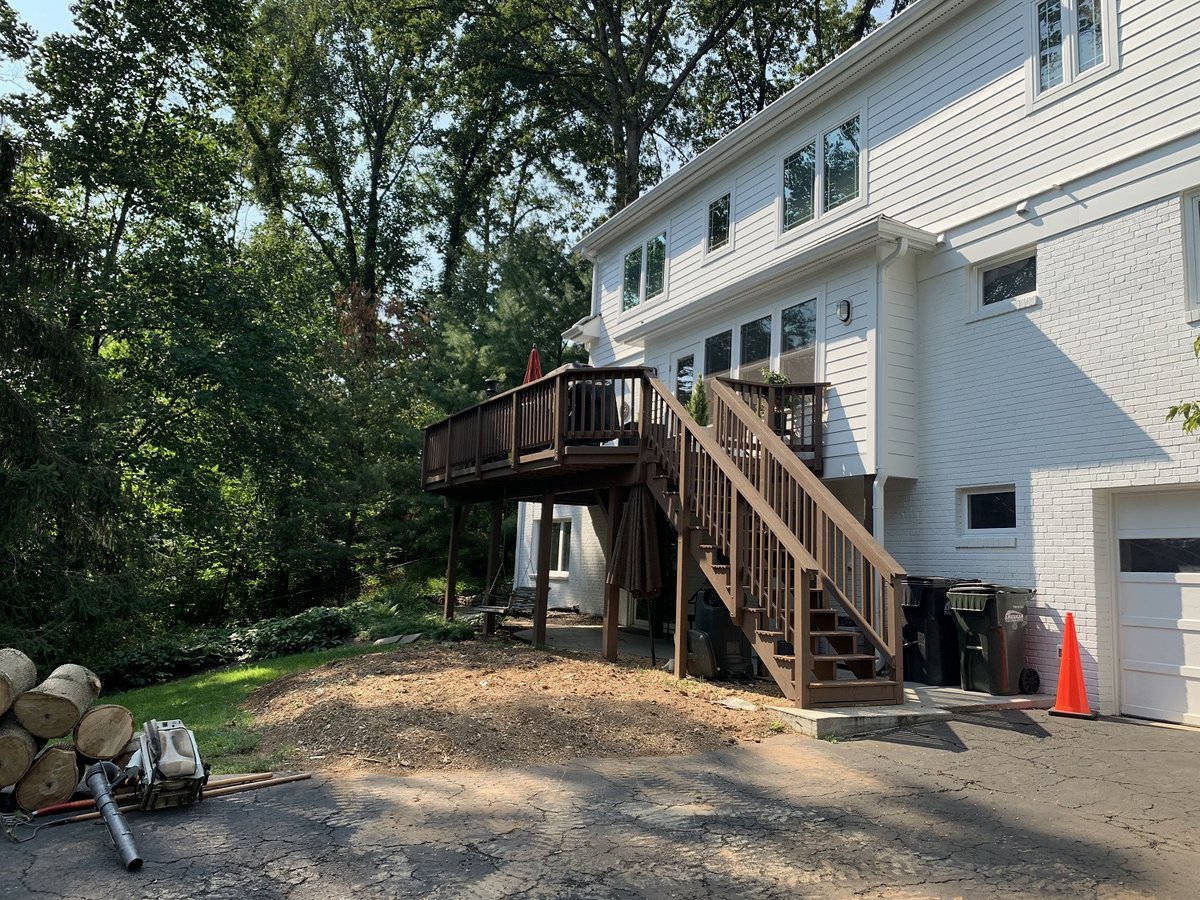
column 1071, row 38
column 645, row 272
column 822, row 175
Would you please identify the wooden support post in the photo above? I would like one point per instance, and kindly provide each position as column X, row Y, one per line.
column 801, row 643
column 612, row 593
column 682, row 547
column 495, row 553
column 542, row 594
column 458, row 519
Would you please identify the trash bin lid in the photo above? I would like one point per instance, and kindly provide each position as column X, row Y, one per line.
column 917, row 584
column 971, row 596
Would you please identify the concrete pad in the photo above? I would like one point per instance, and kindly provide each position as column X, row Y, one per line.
column 587, row 638
column 922, row 703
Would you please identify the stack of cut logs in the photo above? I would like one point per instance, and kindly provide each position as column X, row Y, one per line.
column 32, row 714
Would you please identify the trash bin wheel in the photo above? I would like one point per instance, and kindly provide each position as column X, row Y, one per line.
column 1029, row 681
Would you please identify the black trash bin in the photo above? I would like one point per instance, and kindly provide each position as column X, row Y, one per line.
column 990, row 620
column 930, row 636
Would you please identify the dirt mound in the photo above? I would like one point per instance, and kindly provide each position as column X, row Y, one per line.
column 481, row 705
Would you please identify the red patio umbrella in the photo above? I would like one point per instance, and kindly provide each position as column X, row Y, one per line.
column 533, row 368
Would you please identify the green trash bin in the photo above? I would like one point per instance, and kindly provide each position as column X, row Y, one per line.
column 990, row 620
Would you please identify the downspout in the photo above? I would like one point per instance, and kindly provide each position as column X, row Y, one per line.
column 881, row 475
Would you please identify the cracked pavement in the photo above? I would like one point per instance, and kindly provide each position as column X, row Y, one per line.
column 1013, row 804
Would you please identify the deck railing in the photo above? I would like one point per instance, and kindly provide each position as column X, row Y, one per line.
column 794, row 412
column 568, row 407
column 857, row 572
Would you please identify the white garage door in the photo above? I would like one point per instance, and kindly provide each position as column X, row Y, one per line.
column 1158, row 541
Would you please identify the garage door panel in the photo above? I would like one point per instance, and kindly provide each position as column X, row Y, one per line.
column 1160, row 599
column 1170, row 513
column 1159, row 605
column 1158, row 645
column 1167, row 697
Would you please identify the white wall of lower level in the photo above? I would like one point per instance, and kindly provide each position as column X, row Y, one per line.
column 1066, row 401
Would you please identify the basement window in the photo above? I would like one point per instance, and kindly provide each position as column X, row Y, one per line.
column 1005, row 284
column 987, row 516
column 560, row 547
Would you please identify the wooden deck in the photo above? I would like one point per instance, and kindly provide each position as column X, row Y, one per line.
column 815, row 594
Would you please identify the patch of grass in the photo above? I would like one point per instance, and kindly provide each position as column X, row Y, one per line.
column 777, row 726
column 208, row 704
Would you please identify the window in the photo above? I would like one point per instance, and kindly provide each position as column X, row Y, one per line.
column 1071, row 39
column 1005, row 284
column 685, row 377
column 1010, row 280
column 755, row 351
column 560, row 546
column 718, row 224
column 834, row 176
column 718, row 355
column 1191, row 253
column 1174, row 555
column 797, row 351
column 990, row 510
column 638, row 285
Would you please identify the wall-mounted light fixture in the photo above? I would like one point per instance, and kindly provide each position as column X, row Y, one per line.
column 844, row 311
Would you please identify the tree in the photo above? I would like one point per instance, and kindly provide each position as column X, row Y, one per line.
column 613, row 72
column 1187, row 411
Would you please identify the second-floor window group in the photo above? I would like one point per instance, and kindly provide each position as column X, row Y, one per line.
column 822, row 175
column 645, row 271
column 1070, row 39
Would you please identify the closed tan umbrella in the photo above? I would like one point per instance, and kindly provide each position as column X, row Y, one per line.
column 635, row 564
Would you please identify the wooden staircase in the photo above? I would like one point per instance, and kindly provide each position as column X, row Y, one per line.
column 814, row 593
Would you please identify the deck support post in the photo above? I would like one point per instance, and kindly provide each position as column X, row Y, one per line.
column 612, row 593
column 495, row 553
column 542, row 593
column 457, row 521
column 683, row 544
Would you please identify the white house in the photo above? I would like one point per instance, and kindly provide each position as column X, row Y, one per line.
column 981, row 227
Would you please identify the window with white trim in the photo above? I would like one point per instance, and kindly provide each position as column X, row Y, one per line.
column 645, row 272
column 1005, row 284
column 560, row 546
column 822, row 175
column 1191, row 252
column 990, row 509
column 1071, row 39
column 720, row 224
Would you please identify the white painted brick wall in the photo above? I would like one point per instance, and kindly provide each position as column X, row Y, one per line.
column 1066, row 401
column 584, row 585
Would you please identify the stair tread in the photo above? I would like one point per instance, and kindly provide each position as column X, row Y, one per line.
column 834, row 633
column 851, row 683
column 842, row 657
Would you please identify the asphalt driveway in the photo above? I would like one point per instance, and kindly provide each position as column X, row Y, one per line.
column 1011, row 804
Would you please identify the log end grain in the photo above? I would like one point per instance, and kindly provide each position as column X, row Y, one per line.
column 55, row 706
column 51, row 779
column 17, row 750
column 17, row 675
column 104, row 731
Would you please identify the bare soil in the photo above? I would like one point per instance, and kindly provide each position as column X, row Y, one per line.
column 494, row 703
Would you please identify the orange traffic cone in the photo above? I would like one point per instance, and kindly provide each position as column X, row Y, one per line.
column 1072, row 694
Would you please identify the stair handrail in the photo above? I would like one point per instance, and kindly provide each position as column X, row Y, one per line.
column 860, row 539
column 740, row 482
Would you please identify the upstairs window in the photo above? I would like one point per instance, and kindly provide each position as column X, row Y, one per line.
column 822, row 175
column 1071, row 39
column 645, row 272
column 718, row 224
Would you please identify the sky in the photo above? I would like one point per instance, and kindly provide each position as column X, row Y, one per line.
column 46, row 17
